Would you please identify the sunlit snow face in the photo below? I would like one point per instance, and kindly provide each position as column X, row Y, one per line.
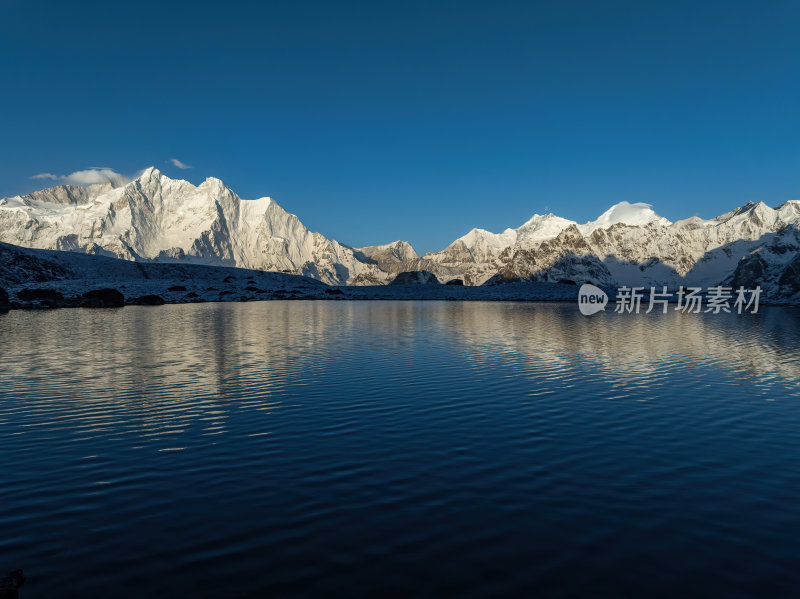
column 635, row 214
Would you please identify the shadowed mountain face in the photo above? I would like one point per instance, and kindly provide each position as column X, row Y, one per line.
column 158, row 219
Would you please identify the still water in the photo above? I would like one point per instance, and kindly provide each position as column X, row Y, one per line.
column 284, row 449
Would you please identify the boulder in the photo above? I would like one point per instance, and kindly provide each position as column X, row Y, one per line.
column 102, row 298
column 458, row 282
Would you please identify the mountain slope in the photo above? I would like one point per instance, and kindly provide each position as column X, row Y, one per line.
column 158, row 219
column 155, row 218
column 629, row 244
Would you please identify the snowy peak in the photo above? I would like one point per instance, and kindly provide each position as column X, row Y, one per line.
column 399, row 251
column 487, row 239
column 756, row 218
column 542, row 227
column 155, row 218
column 151, row 172
column 637, row 214
column 152, row 176
column 646, row 249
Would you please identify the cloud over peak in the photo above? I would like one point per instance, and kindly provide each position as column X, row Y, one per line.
column 179, row 164
column 96, row 175
column 88, row 176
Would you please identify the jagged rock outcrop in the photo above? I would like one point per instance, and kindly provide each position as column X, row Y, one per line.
column 750, row 272
column 415, row 277
column 567, row 256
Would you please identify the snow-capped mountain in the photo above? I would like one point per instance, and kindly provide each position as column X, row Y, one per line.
column 630, row 244
column 483, row 252
column 638, row 214
column 155, row 218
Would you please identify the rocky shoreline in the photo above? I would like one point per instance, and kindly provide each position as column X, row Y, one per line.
column 46, row 279
column 91, row 294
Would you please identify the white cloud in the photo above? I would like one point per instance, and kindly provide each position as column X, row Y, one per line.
column 89, row 176
column 95, row 175
column 179, row 164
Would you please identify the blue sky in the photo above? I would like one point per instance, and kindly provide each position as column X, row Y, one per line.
column 374, row 121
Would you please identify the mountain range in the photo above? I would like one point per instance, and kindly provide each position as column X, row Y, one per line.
column 158, row 219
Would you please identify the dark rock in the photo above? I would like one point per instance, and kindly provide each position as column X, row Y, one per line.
column 20, row 266
column 11, row 583
column 228, row 279
column 5, row 305
column 149, row 300
column 334, row 292
column 791, row 275
column 566, row 282
column 221, row 293
column 190, row 295
column 102, row 298
column 177, row 288
column 455, row 282
column 502, row 278
column 252, row 288
column 40, row 295
column 749, row 272
column 366, row 279
column 415, row 277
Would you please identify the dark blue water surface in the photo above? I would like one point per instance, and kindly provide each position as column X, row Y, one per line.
column 285, row 449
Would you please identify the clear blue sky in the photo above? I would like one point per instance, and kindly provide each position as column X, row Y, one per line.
column 374, row 121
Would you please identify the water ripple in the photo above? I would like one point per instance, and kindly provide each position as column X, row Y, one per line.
column 401, row 448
